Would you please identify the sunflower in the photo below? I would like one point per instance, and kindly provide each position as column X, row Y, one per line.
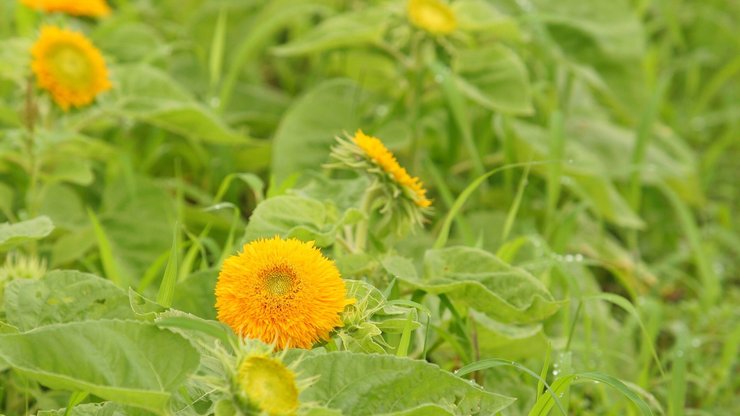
column 268, row 384
column 92, row 8
column 382, row 157
column 69, row 66
column 433, row 16
column 281, row 291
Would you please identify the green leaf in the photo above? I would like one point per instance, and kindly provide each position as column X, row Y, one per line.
column 482, row 16
column 510, row 342
column 196, row 295
column 128, row 362
column 308, row 129
column 369, row 384
column 344, row 30
column 423, row 410
column 480, row 280
column 137, row 216
column 128, row 41
column 96, row 409
column 63, row 206
column 496, row 78
column 12, row 235
column 15, row 59
column 612, row 25
column 150, row 95
column 64, row 296
column 292, row 216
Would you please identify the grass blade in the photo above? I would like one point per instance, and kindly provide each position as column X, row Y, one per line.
column 444, row 232
column 167, row 288
column 110, row 267
column 495, row 362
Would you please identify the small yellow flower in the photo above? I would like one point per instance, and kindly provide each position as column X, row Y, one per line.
column 92, row 8
column 281, row 291
column 433, row 16
column 69, row 66
column 268, row 385
column 375, row 150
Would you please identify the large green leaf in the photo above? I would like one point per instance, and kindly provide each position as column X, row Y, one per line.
column 21, row 232
column 195, row 294
column 137, row 217
column 96, row 409
column 478, row 279
column 64, row 296
column 150, row 95
column 344, row 30
column 510, row 342
column 308, row 129
column 371, row 384
column 128, row 362
column 588, row 168
column 611, row 25
column 496, row 78
column 299, row 217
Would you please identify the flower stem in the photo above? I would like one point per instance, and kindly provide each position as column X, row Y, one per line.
column 363, row 226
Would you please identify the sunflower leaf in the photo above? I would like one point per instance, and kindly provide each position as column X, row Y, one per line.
column 364, row 384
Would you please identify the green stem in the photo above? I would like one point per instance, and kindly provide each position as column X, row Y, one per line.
column 363, row 226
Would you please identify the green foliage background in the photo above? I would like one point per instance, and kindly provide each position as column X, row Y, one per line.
column 581, row 155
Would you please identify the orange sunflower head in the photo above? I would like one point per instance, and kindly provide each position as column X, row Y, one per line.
column 281, row 291
column 91, row 8
column 68, row 65
column 433, row 16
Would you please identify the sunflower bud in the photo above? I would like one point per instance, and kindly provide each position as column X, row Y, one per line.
column 267, row 385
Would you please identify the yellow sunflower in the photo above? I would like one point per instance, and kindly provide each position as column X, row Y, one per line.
column 281, row 291
column 268, row 384
column 69, row 66
column 92, row 8
column 375, row 150
column 433, row 16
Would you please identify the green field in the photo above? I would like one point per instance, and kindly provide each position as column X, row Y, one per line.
column 345, row 207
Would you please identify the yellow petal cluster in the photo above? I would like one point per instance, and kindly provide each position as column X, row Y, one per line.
column 432, row 15
column 69, row 66
column 376, row 150
column 281, row 291
column 91, row 8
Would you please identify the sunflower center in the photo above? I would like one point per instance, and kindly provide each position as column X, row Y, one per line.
column 268, row 384
column 71, row 65
column 279, row 281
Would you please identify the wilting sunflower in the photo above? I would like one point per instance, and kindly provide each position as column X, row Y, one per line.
column 379, row 154
column 92, row 8
column 268, row 385
column 394, row 200
column 68, row 65
column 281, row 291
column 432, row 15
